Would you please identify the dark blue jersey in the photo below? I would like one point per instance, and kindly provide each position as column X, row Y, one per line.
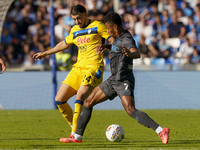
column 121, row 66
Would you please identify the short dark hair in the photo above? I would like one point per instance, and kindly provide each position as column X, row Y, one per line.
column 77, row 9
column 113, row 17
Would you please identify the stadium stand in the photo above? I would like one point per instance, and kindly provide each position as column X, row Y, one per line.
column 163, row 25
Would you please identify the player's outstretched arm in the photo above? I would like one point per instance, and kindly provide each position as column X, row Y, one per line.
column 101, row 48
column 133, row 52
column 2, row 65
column 59, row 47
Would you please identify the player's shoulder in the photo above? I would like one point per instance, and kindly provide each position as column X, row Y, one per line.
column 75, row 28
column 96, row 22
column 126, row 35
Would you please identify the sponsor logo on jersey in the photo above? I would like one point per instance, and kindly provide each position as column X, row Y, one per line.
column 83, row 40
column 82, row 48
column 115, row 48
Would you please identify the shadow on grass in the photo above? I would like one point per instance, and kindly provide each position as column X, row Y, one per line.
column 186, row 142
column 102, row 143
column 31, row 139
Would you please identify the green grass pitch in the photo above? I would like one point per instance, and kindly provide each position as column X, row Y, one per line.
column 41, row 129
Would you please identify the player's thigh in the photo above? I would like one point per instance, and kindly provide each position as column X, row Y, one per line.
column 73, row 79
column 125, row 90
column 97, row 96
column 107, row 89
column 92, row 76
column 64, row 93
column 83, row 92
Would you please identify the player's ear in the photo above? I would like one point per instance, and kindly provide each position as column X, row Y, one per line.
column 115, row 26
column 85, row 14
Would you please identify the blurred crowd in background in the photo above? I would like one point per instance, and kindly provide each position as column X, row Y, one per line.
column 165, row 31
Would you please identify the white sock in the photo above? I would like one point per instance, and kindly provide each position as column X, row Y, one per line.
column 159, row 129
column 73, row 133
column 78, row 137
column 71, row 125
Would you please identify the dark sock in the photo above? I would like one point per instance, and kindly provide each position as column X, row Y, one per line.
column 144, row 119
column 83, row 120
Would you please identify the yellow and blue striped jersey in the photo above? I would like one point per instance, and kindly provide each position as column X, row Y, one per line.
column 87, row 39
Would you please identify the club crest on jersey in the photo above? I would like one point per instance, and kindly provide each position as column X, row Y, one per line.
column 83, row 40
column 89, row 31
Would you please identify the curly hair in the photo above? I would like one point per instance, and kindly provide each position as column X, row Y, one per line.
column 77, row 9
column 113, row 17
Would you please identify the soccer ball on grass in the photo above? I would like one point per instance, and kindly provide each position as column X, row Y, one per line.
column 115, row 133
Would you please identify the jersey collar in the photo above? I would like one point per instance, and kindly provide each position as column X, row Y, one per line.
column 87, row 23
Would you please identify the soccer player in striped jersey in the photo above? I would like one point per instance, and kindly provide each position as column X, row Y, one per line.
column 121, row 82
column 87, row 72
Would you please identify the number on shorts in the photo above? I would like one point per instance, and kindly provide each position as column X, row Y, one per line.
column 88, row 78
column 126, row 86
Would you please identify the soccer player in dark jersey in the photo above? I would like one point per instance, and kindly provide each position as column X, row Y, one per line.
column 2, row 65
column 121, row 82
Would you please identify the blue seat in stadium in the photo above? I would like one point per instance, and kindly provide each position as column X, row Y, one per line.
column 158, row 61
column 172, row 61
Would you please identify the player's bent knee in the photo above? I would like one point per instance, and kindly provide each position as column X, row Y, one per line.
column 129, row 110
column 89, row 103
column 59, row 99
column 128, row 113
column 56, row 99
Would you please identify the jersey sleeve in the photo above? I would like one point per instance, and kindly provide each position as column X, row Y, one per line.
column 69, row 38
column 102, row 30
column 129, row 42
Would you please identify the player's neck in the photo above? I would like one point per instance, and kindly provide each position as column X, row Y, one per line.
column 86, row 23
column 120, row 31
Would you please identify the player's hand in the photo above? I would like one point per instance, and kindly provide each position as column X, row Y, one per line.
column 100, row 49
column 2, row 66
column 39, row 56
column 125, row 51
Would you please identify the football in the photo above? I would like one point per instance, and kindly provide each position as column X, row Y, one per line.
column 115, row 133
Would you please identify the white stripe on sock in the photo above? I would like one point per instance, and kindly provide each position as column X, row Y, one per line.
column 159, row 129
column 78, row 137
column 73, row 133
